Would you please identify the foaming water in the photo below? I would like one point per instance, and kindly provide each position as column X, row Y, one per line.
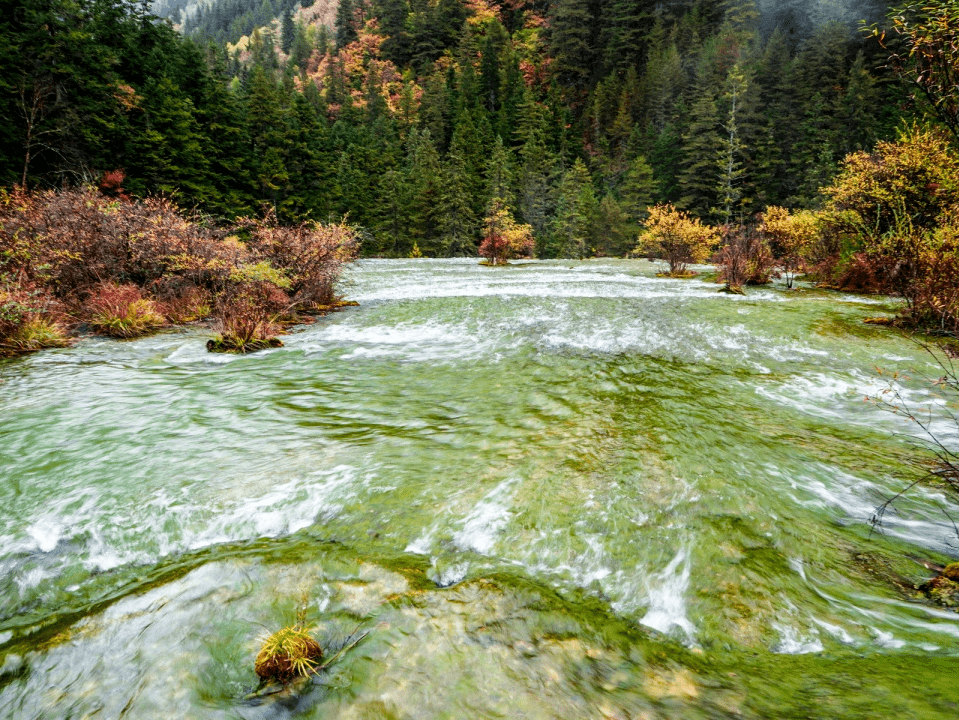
column 666, row 595
column 486, row 467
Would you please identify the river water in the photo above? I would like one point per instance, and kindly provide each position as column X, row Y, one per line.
column 550, row 490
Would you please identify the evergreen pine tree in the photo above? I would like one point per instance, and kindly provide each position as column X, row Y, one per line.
column 639, row 189
column 424, row 178
column 702, row 145
column 458, row 219
column 168, row 153
column 344, row 25
column 499, row 175
column 571, row 24
column 575, row 212
column 613, row 235
column 287, row 30
column 730, row 161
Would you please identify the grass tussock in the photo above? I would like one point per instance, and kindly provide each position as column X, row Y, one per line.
column 34, row 333
column 287, row 654
column 121, row 311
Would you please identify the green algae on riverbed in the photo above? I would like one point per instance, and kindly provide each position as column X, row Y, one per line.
column 548, row 490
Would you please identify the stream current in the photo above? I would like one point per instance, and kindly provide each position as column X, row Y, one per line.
column 550, row 490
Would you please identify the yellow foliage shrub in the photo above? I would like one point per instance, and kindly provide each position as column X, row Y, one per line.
column 678, row 238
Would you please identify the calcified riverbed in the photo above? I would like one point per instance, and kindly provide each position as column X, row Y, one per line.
column 552, row 490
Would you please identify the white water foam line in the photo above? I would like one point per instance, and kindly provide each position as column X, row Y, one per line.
column 101, row 536
column 791, row 643
column 464, row 279
column 417, row 342
column 855, row 396
column 830, row 487
column 864, row 613
column 478, row 533
column 666, row 597
column 482, row 526
column 285, row 508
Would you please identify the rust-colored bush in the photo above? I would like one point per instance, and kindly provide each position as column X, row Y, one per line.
column 181, row 301
column 121, row 264
column 311, row 255
column 745, row 258
column 246, row 318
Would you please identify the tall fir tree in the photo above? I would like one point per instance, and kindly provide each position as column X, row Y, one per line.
column 575, row 212
column 702, row 145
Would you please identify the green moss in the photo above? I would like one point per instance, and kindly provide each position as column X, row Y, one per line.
column 260, row 272
column 678, row 275
column 941, row 591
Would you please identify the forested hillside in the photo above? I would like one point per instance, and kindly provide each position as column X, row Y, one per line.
column 415, row 119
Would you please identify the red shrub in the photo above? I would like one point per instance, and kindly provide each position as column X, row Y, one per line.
column 311, row 255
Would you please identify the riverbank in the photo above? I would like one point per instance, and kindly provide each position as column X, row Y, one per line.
column 80, row 259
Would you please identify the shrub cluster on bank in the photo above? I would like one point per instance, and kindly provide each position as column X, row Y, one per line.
column 889, row 224
column 79, row 257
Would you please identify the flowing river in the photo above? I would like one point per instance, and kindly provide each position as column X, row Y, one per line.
column 550, row 490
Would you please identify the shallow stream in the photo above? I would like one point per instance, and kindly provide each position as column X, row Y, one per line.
column 551, row 490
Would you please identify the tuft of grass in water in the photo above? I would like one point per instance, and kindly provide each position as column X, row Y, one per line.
column 241, row 345
column 121, row 311
column 287, row 654
column 36, row 333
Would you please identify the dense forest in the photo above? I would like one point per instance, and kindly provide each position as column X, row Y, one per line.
column 413, row 119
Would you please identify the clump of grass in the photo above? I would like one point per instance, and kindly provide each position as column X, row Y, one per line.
column 287, row 654
column 240, row 346
column 246, row 318
column 121, row 311
column 35, row 333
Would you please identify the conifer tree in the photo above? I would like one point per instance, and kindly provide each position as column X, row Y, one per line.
column 345, row 25
column 569, row 42
column 639, row 189
column 575, row 212
column 392, row 223
column 301, row 47
column 625, row 33
column 268, row 115
column 468, row 144
column 535, row 175
column 168, row 153
column 702, row 145
column 424, row 177
column 499, row 175
column 612, row 233
column 287, row 30
column 774, row 136
column 730, row 161
column 458, row 219
column 392, row 16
